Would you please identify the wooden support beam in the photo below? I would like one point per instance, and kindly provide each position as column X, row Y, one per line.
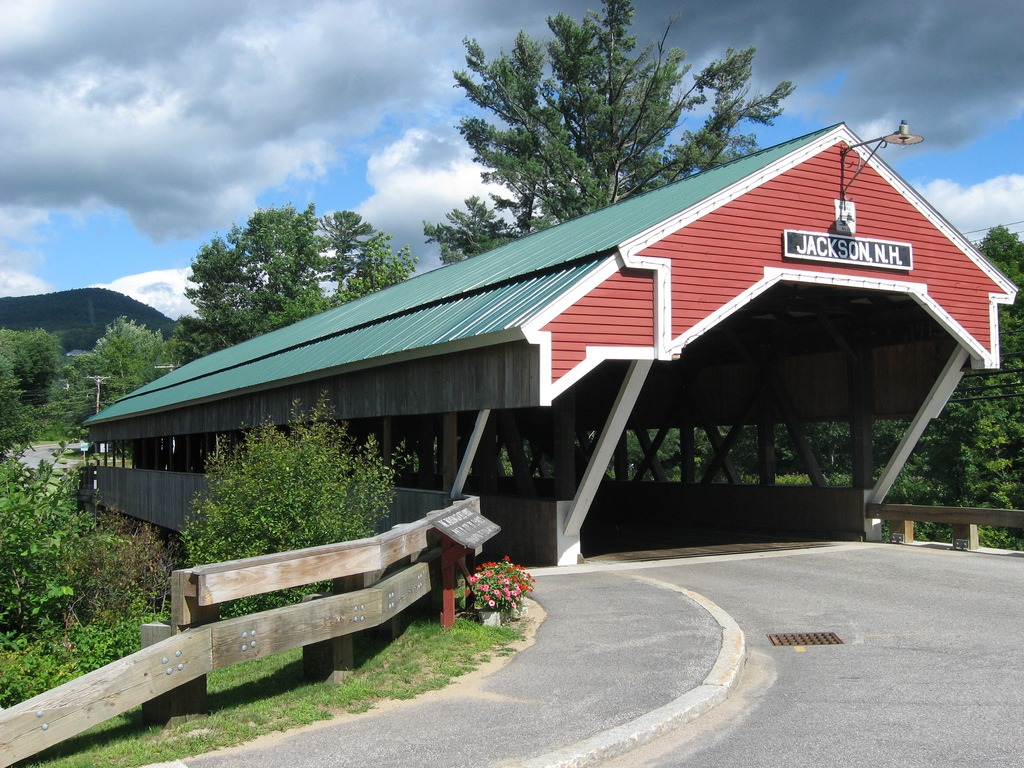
column 766, row 454
column 586, row 439
column 451, row 554
column 933, row 404
column 620, row 458
column 851, row 357
column 332, row 660
column 722, row 451
column 516, row 454
column 487, row 457
column 564, row 427
column 703, row 412
column 449, row 449
column 475, row 439
column 796, row 432
column 859, row 376
column 425, row 451
column 966, row 532
column 1000, row 518
column 769, row 375
column 632, row 384
column 650, row 448
column 687, row 447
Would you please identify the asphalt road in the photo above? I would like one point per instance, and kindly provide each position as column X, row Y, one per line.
column 44, row 453
column 930, row 672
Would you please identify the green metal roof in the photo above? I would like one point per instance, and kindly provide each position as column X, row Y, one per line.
column 492, row 292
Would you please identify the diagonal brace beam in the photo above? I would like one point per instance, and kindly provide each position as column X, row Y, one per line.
column 602, row 455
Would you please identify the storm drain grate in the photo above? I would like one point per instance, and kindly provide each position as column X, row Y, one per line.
column 805, row 638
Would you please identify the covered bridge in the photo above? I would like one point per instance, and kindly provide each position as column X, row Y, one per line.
column 715, row 353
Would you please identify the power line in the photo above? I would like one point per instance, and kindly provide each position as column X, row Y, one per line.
column 986, row 229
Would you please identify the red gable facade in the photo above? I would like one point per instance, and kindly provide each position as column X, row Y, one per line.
column 673, row 283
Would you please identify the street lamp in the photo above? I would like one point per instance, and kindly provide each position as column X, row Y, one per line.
column 846, row 216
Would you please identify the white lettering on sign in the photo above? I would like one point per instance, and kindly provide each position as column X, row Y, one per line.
column 824, row 246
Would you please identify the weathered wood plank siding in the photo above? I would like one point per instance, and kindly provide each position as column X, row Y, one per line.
column 503, row 376
column 159, row 497
column 163, row 498
column 836, row 513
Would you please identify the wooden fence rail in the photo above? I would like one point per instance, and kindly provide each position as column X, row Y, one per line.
column 965, row 520
column 170, row 665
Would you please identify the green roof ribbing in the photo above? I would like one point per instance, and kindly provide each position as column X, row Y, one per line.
column 455, row 302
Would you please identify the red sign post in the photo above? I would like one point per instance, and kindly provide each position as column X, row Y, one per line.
column 462, row 532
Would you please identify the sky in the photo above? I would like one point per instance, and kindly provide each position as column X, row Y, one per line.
column 132, row 133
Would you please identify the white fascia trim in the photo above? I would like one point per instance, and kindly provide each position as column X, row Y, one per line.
column 595, row 355
column 774, row 276
column 994, row 300
column 662, row 269
column 925, row 209
column 663, row 229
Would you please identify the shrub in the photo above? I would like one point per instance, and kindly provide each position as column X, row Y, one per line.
column 39, row 525
column 285, row 489
column 28, row 669
column 120, row 568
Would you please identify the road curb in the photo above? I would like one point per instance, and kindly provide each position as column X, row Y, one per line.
column 684, row 709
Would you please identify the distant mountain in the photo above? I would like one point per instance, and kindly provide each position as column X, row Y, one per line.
column 78, row 317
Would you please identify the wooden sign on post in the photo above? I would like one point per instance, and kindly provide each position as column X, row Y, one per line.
column 467, row 527
column 463, row 530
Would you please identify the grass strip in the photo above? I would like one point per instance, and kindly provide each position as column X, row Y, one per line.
column 267, row 695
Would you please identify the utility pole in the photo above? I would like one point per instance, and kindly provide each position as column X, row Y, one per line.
column 99, row 380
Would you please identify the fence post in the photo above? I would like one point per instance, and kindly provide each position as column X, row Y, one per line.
column 905, row 527
column 451, row 554
column 331, row 661
column 967, row 532
column 187, row 701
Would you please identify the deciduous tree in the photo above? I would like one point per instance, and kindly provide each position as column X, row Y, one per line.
column 259, row 277
column 283, row 266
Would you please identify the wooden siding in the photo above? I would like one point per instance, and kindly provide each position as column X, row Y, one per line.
column 158, row 497
column 617, row 313
column 501, row 376
column 835, row 513
column 163, row 498
column 528, row 529
column 721, row 255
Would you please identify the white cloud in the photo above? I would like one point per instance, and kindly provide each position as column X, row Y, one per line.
column 223, row 102
column 418, row 178
column 978, row 207
column 20, row 283
column 19, row 229
column 163, row 289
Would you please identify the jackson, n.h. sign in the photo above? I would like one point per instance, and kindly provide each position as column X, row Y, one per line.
column 856, row 251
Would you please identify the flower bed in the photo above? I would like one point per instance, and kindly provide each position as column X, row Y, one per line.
column 501, row 587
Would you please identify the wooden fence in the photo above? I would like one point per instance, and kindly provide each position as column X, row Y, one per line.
column 965, row 520
column 374, row 580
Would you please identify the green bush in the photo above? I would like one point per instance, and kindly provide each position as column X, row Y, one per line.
column 39, row 525
column 119, row 568
column 30, row 668
column 74, row 589
column 285, row 489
